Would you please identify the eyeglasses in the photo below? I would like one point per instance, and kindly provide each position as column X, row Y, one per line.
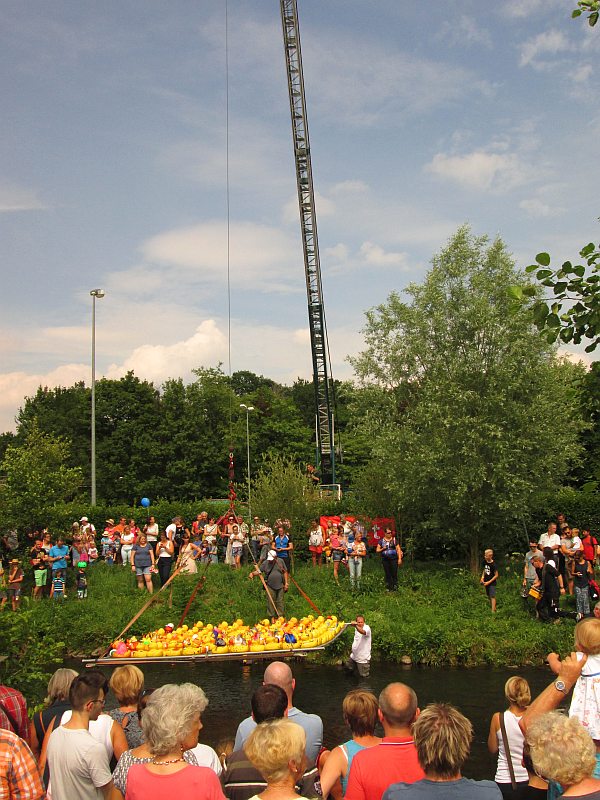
column 101, row 703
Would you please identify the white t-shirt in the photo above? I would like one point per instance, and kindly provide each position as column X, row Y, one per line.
column 576, row 544
column 78, row 764
column 152, row 532
column 171, row 530
column 99, row 730
column 206, row 757
column 547, row 540
column 361, row 646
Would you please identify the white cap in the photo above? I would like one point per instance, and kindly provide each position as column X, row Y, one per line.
column 84, row 519
column 272, row 555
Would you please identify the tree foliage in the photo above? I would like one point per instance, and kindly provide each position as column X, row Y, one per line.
column 36, row 476
column 589, row 7
column 572, row 314
column 477, row 416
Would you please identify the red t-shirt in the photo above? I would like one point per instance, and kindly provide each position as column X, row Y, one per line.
column 376, row 768
column 189, row 783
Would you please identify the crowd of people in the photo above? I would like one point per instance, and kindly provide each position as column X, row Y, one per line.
column 147, row 550
column 148, row 747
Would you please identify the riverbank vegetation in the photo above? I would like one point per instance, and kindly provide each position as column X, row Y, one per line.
column 439, row 616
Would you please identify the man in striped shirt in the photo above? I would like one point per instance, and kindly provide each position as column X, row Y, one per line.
column 394, row 759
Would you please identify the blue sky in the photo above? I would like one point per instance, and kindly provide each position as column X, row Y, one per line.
column 112, row 170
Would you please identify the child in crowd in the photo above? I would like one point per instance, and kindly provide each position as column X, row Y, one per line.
column 40, row 575
column 105, row 543
column 15, row 583
column 92, row 552
column 58, row 585
column 585, row 703
column 489, row 576
column 82, row 583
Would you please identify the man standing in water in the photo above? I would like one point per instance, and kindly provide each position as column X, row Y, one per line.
column 360, row 656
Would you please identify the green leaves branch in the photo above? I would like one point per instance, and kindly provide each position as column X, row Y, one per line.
column 589, row 7
column 572, row 314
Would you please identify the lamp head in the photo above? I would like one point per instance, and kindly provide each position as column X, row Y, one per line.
column 99, row 293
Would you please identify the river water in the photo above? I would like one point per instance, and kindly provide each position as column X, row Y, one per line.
column 320, row 689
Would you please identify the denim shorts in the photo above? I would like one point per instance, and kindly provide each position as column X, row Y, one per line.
column 143, row 570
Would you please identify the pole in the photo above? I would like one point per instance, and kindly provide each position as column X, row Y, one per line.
column 93, row 477
column 248, row 452
column 95, row 293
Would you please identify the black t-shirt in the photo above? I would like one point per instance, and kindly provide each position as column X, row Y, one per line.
column 581, row 575
column 489, row 570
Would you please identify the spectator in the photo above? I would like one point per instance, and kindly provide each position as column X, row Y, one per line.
column 19, row 775
column 529, row 573
column 127, row 685
column 142, row 754
column 360, row 715
column 58, row 558
column 506, row 740
column 15, row 582
column 395, row 758
column 582, row 572
column 280, row 674
column 489, row 577
column 13, row 712
column 563, row 751
column 79, row 765
column 315, row 542
column 56, row 703
column 242, row 780
column 171, row 724
column 356, row 557
column 151, row 530
column 550, row 539
column 127, row 542
column 338, row 551
column 142, row 562
column 391, row 557
column 443, row 739
column 164, row 557
column 277, row 750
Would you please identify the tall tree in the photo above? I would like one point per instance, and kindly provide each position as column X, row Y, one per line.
column 475, row 419
column 36, row 476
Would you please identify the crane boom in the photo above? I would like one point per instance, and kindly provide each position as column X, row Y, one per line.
column 310, row 243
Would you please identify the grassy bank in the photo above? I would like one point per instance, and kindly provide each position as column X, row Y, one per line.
column 439, row 616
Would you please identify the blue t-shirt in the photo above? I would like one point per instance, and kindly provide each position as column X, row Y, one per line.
column 280, row 543
column 63, row 552
column 462, row 789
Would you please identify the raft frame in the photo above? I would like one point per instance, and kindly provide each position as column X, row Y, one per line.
column 248, row 656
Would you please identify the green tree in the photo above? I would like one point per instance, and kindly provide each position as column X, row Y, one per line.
column 478, row 417
column 36, row 477
column 282, row 489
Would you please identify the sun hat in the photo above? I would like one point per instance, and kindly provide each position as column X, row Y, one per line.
column 272, row 555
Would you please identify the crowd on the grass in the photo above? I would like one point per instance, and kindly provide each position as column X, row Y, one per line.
column 147, row 550
column 147, row 746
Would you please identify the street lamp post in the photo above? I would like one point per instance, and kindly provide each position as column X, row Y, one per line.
column 95, row 294
column 248, row 410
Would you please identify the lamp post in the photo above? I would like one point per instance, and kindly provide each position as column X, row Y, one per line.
column 95, row 294
column 248, row 410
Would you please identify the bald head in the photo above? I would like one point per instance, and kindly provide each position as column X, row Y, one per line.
column 397, row 706
column 279, row 674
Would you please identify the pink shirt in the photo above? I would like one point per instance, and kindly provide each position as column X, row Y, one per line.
column 189, row 783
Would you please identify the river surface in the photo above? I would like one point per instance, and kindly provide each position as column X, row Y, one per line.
column 320, row 689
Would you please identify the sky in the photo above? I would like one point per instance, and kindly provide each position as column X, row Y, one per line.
column 113, row 171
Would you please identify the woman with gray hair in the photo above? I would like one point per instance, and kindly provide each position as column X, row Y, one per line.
column 563, row 751
column 55, row 704
column 166, row 763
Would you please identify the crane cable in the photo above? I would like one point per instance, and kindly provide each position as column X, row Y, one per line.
column 228, row 207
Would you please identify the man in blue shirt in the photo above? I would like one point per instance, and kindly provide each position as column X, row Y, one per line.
column 58, row 556
column 283, row 546
column 279, row 674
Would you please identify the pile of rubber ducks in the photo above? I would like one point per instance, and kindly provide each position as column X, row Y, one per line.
column 205, row 639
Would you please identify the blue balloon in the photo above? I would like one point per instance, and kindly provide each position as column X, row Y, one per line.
column 145, row 502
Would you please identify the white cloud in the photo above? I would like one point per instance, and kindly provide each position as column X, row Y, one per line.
column 16, row 198
column 519, row 9
column 16, row 386
column 158, row 362
column 534, row 207
column 481, row 170
column 257, row 253
column 582, row 73
column 547, row 43
column 338, row 253
column 375, row 254
column 464, row 30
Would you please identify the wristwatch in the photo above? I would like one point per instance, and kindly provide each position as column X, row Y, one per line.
column 560, row 686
